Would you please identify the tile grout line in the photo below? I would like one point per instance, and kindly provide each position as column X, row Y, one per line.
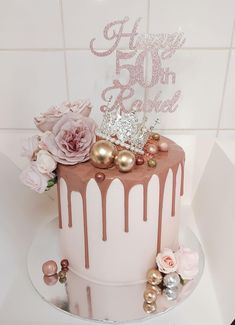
column 225, row 81
column 64, row 51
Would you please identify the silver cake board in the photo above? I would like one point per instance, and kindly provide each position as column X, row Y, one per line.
column 87, row 300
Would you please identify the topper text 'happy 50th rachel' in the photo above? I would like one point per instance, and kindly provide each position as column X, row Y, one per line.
column 159, row 47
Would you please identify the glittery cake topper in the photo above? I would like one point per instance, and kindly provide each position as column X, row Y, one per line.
column 121, row 124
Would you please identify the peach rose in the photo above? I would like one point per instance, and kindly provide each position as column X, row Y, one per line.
column 166, row 261
column 187, row 263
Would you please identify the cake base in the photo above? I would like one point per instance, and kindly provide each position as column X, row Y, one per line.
column 84, row 299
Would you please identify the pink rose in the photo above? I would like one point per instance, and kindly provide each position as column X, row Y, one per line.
column 32, row 178
column 30, row 146
column 71, row 139
column 187, row 263
column 46, row 121
column 166, row 261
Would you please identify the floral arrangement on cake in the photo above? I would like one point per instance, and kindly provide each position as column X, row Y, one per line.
column 69, row 136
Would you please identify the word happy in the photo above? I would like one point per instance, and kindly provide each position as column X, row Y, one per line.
column 142, row 48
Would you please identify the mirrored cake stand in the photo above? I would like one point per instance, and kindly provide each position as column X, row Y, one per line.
column 84, row 299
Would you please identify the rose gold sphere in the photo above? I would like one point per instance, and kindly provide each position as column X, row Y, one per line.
column 139, row 161
column 152, row 149
column 49, row 268
column 125, row 160
column 154, row 277
column 99, row 177
column 150, row 295
column 150, row 308
column 163, row 146
column 64, row 263
column 50, row 280
column 102, row 154
column 155, row 288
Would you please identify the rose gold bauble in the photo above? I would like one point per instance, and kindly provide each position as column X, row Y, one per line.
column 163, row 146
column 50, row 280
column 49, row 268
column 139, row 161
column 150, row 295
column 154, row 277
column 125, row 160
column 102, row 154
column 156, row 288
column 149, row 308
column 99, row 177
column 152, row 149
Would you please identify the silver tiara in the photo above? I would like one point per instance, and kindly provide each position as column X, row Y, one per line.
column 125, row 129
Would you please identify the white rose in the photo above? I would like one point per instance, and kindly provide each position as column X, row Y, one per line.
column 32, row 178
column 166, row 261
column 30, row 146
column 45, row 162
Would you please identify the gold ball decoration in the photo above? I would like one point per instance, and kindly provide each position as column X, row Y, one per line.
column 156, row 288
column 125, row 160
column 152, row 149
column 152, row 163
column 150, row 295
column 156, row 136
column 102, row 154
column 154, row 277
column 149, row 308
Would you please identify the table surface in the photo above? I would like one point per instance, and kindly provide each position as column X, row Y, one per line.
column 22, row 213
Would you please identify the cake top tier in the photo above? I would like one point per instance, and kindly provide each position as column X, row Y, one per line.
column 139, row 174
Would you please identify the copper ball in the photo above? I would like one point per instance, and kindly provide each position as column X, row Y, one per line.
column 102, row 154
column 154, row 277
column 150, row 308
column 64, row 263
column 125, row 160
column 139, row 161
column 65, row 269
column 99, row 177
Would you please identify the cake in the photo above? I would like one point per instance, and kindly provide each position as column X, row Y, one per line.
column 110, row 231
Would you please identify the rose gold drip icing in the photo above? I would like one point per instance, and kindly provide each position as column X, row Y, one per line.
column 78, row 176
column 145, row 203
column 70, row 222
column 89, row 302
column 174, row 171
column 103, row 190
column 59, row 205
column 162, row 182
column 182, row 178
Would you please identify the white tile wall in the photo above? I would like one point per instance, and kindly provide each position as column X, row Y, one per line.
column 30, row 24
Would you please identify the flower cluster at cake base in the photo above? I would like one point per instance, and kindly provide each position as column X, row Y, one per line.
column 173, row 270
column 67, row 134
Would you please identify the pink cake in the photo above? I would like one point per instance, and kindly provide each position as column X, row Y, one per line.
column 111, row 230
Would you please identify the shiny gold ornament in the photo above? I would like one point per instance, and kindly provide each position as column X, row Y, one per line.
column 102, row 154
column 152, row 149
column 149, row 308
column 154, row 277
column 62, row 274
column 152, row 163
column 156, row 136
column 155, row 288
column 150, row 296
column 125, row 160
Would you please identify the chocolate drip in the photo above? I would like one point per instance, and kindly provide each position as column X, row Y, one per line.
column 59, row 204
column 162, row 182
column 78, row 176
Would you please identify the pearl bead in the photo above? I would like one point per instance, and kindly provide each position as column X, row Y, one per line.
column 171, row 280
column 152, row 149
column 49, row 268
column 64, row 263
column 50, row 280
column 149, row 308
column 139, row 161
column 163, row 146
column 152, row 163
column 154, row 277
column 171, row 293
column 156, row 136
column 99, row 177
column 62, row 274
column 150, row 296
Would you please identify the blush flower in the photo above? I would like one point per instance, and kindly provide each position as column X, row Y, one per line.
column 166, row 261
column 32, row 178
column 45, row 162
column 71, row 139
column 30, row 146
column 46, row 121
column 187, row 263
